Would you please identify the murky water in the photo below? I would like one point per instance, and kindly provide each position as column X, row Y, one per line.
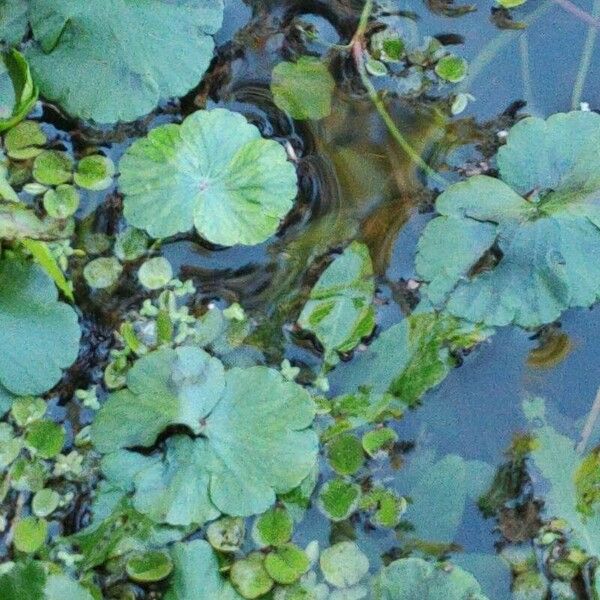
column 357, row 184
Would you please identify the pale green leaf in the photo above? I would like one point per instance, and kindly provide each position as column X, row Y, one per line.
column 303, row 88
column 214, row 172
column 115, row 60
column 13, row 21
column 521, row 249
column 196, row 574
column 39, row 336
column 339, row 311
column 416, row 579
column 18, row 93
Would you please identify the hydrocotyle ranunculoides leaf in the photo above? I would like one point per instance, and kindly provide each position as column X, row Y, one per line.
column 303, row 88
column 409, row 358
column 339, row 310
column 196, row 574
column 114, row 60
column 39, row 336
column 523, row 248
column 253, row 437
column 214, row 172
column 412, row 578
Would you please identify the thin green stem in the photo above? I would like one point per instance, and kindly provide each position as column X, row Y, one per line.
column 358, row 55
column 586, row 59
column 525, row 69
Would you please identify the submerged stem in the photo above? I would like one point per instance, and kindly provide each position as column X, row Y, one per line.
column 357, row 45
column 590, row 422
column 586, row 58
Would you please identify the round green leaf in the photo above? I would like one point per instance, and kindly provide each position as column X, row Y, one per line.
column 30, row 534
column 343, row 565
column 226, row 534
column 542, row 252
column 62, row 202
column 249, row 576
column 273, row 528
column 45, row 502
column 18, row 93
column 24, row 141
column 131, row 244
column 45, row 437
column 102, row 273
column 28, row 409
column 150, row 566
column 451, row 68
column 345, row 454
column 196, row 574
column 94, row 172
column 155, row 273
column 52, row 167
column 378, row 439
column 410, row 578
column 338, row 499
column 214, row 172
column 287, row 564
column 100, row 61
column 253, row 433
column 303, row 89
column 39, row 336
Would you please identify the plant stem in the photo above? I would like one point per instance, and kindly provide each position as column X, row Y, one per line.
column 586, row 59
column 525, row 69
column 498, row 43
column 357, row 45
column 578, row 13
column 590, row 422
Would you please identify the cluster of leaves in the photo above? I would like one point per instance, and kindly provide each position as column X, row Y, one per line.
column 75, row 46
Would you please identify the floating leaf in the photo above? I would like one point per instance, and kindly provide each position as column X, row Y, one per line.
column 45, row 502
column 196, row 574
column 24, row 141
column 408, row 358
column 555, row 456
column 150, row 566
column 45, row 438
column 24, row 580
column 226, row 534
column 13, row 21
column 39, row 336
column 131, row 244
column 17, row 222
column 287, row 564
column 378, row 439
column 338, row 499
column 18, row 93
column 273, row 528
column 166, row 387
column 94, row 172
column 53, row 167
column 249, row 576
column 339, row 311
column 345, row 454
column 412, row 578
column 214, row 172
column 155, row 273
column 101, row 62
column 343, row 565
column 30, row 534
column 102, row 273
column 521, row 249
column 61, row 587
column 303, row 89
column 61, row 202
column 451, row 68
column 253, row 432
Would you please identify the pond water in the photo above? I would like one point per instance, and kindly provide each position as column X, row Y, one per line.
column 357, row 184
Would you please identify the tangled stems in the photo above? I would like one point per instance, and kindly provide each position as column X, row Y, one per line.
column 357, row 48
